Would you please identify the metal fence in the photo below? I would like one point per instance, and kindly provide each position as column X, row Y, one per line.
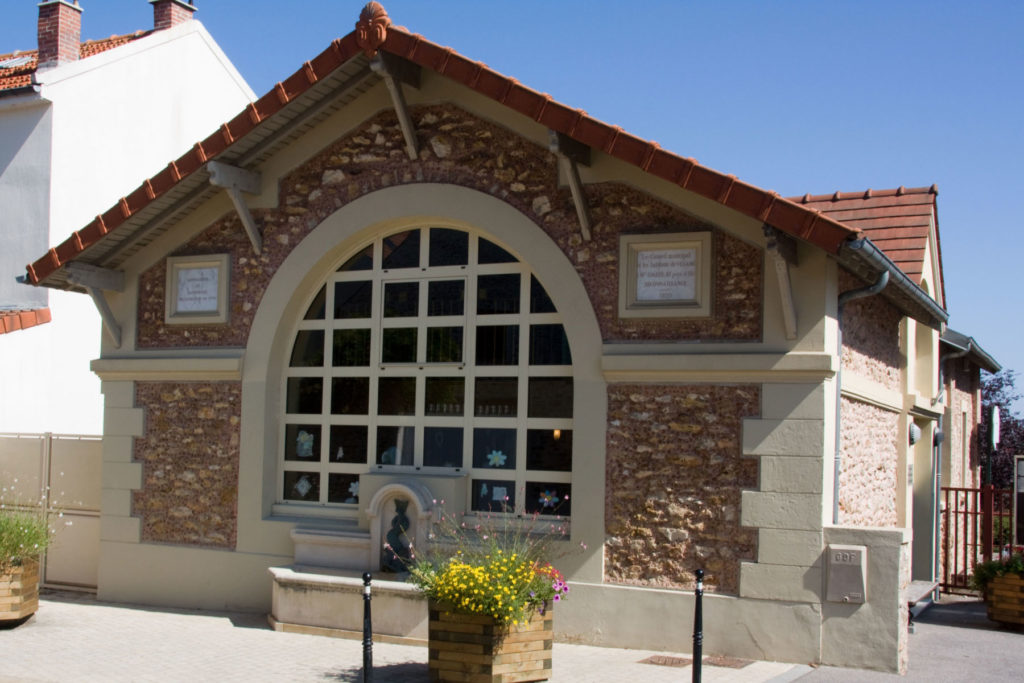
column 976, row 524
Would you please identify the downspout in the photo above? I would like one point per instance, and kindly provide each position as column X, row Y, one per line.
column 850, row 295
column 940, row 434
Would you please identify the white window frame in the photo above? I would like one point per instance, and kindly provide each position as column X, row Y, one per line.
column 467, row 369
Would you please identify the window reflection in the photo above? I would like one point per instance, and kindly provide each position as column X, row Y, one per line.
column 497, row 294
column 496, row 396
column 395, row 445
column 444, row 344
column 353, row 300
column 308, row 350
column 348, row 443
column 402, row 250
column 305, row 395
column 398, row 345
column 396, row 396
column 448, row 247
column 350, row 396
column 442, row 446
column 445, row 396
column 550, row 397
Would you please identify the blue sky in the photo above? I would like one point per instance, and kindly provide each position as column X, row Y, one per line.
column 796, row 97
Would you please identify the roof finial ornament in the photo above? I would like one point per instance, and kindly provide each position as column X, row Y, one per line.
column 372, row 28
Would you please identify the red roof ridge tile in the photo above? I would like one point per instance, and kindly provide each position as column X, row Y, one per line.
column 866, row 194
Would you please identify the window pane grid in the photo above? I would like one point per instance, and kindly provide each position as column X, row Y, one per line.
column 458, row 337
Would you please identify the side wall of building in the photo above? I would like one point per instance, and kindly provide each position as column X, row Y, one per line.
column 115, row 119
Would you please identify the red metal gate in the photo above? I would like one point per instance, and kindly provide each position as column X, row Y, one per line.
column 976, row 525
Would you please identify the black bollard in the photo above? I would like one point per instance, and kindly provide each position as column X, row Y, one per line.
column 698, row 625
column 367, row 632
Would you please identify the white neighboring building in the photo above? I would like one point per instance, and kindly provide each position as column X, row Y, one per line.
column 121, row 106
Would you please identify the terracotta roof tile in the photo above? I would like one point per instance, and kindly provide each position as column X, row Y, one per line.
column 20, row 75
column 13, row 320
column 797, row 219
column 897, row 221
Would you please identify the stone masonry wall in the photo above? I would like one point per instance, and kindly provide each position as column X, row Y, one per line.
column 871, row 336
column 189, row 454
column 964, row 383
column 458, row 148
column 675, row 471
column 868, row 470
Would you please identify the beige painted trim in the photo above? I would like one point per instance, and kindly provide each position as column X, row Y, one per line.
column 334, row 239
column 180, row 369
column 718, row 367
column 858, row 388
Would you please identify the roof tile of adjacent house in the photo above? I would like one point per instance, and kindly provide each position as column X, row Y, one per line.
column 375, row 33
column 898, row 221
column 20, row 73
column 12, row 320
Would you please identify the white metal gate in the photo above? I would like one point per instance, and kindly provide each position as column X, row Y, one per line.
column 63, row 472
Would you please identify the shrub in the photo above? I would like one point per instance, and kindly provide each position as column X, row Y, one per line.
column 500, row 566
column 984, row 572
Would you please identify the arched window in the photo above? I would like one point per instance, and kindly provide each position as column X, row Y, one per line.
column 431, row 350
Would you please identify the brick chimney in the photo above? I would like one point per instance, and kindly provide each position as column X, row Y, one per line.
column 60, row 32
column 168, row 13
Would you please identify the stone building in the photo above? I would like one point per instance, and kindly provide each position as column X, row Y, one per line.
column 400, row 275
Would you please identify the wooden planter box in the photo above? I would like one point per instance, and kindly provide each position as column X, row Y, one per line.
column 472, row 648
column 1005, row 598
column 19, row 591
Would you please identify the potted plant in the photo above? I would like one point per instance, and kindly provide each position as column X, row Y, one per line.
column 24, row 535
column 491, row 589
column 1001, row 581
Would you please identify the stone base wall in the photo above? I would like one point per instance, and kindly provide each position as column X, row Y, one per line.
column 189, row 454
column 870, row 461
column 675, row 471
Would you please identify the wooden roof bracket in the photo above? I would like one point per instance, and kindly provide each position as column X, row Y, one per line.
column 570, row 153
column 395, row 72
column 236, row 181
column 95, row 279
column 782, row 250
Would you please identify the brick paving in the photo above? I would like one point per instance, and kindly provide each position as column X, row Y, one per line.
column 74, row 637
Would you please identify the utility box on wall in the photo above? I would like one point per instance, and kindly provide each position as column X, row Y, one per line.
column 847, row 575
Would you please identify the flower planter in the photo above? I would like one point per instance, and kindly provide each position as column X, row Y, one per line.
column 472, row 647
column 1005, row 598
column 19, row 590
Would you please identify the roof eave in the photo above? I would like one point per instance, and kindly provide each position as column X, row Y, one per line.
column 804, row 223
column 863, row 258
column 979, row 356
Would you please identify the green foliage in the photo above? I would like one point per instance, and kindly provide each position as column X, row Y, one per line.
column 499, row 566
column 24, row 531
column 984, row 572
column 1000, row 390
column 22, row 535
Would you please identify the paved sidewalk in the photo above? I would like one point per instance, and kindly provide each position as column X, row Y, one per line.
column 75, row 638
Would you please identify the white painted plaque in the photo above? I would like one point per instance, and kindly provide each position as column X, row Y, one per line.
column 198, row 290
column 666, row 275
